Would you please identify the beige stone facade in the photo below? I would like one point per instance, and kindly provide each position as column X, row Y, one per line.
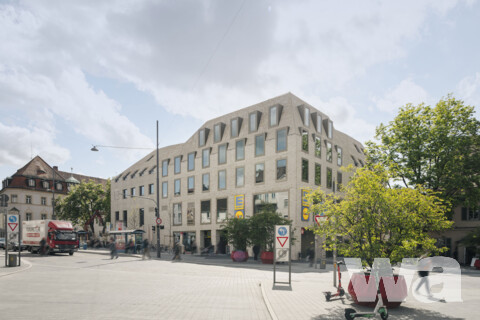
column 185, row 214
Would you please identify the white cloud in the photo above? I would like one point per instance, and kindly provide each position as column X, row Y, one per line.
column 469, row 91
column 22, row 143
column 345, row 117
column 407, row 91
column 312, row 49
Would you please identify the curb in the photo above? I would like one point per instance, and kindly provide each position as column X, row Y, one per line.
column 267, row 303
column 28, row 263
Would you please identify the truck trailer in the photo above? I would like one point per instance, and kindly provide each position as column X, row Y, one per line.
column 59, row 236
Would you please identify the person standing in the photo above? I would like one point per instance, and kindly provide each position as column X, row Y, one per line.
column 146, row 249
column 42, row 246
column 113, row 249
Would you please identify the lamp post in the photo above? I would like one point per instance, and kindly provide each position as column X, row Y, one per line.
column 157, row 211
column 53, row 194
column 334, row 247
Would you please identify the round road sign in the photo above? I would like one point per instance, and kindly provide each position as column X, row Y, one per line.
column 159, row 221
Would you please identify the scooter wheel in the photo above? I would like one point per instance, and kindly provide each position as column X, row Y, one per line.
column 342, row 292
column 349, row 314
column 328, row 295
column 383, row 313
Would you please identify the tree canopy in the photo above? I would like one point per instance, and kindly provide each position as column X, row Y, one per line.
column 436, row 147
column 83, row 201
column 262, row 227
column 377, row 221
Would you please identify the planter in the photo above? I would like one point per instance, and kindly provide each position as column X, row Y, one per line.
column 477, row 264
column 239, row 256
column 393, row 290
column 267, row 257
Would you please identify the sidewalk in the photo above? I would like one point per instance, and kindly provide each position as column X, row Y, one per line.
column 5, row 271
column 304, row 299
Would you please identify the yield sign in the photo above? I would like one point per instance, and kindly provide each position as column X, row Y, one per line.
column 13, row 226
column 282, row 240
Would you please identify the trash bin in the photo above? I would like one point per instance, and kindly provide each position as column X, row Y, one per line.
column 12, row 260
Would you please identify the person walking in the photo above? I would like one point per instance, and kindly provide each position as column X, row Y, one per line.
column 423, row 271
column 113, row 249
column 146, row 249
column 176, row 250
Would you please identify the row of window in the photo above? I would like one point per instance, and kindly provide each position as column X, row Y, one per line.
column 279, row 201
column 281, row 174
column 45, row 184
column 254, row 118
column 28, row 216
column 28, row 199
column 281, row 145
column 470, row 214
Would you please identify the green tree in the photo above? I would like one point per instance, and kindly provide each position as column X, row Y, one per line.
column 436, row 147
column 237, row 232
column 377, row 221
column 82, row 202
column 472, row 239
column 262, row 227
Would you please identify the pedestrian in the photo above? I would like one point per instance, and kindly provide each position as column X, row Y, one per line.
column 424, row 267
column 176, row 251
column 113, row 249
column 256, row 251
column 146, row 249
column 42, row 246
column 130, row 246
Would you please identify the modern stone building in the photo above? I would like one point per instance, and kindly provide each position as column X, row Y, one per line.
column 233, row 165
column 32, row 188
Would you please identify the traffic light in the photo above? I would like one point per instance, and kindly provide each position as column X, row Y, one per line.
column 156, row 212
column 153, row 228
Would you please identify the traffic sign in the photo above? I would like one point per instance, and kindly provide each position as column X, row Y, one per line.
column 320, row 218
column 12, row 222
column 159, row 221
column 282, row 243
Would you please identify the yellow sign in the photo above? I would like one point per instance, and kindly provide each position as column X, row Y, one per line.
column 305, row 193
column 305, row 214
column 305, row 206
column 240, row 202
column 239, row 214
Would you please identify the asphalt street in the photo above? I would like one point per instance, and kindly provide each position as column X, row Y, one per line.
column 91, row 286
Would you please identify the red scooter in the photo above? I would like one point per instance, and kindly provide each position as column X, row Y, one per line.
column 340, row 291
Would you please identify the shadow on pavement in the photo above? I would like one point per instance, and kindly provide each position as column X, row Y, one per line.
column 401, row 313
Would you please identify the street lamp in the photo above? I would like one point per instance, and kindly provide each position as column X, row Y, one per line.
column 157, row 211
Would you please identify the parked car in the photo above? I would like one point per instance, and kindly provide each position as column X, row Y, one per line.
column 14, row 246
column 2, row 243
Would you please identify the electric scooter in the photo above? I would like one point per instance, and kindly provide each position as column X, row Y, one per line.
column 340, row 291
column 380, row 308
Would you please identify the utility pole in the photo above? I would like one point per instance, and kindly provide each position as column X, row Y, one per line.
column 159, row 254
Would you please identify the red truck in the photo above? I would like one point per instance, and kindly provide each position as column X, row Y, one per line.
column 59, row 236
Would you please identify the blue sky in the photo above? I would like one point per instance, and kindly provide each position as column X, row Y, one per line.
column 79, row 73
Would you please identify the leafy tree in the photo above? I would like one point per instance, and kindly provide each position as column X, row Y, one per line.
column 262, row 227
column 472, row 239
column 82, row 202
column 237, row 232
column 436, row 147
column 377, row 221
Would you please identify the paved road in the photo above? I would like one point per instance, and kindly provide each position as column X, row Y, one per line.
column 91, row 286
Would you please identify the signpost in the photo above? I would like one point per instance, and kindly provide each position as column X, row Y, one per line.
column 12, row 231
column 282, row 251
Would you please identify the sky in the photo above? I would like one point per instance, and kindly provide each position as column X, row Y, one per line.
column 74, row 74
